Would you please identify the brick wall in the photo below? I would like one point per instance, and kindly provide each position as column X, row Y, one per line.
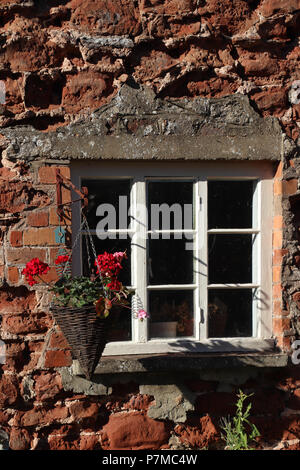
column 59, row 63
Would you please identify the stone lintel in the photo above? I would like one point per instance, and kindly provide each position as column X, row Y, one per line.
column 137, row 125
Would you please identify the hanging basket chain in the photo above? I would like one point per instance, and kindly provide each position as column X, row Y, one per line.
column 94, row 252
column 89, row 240
column 88, row 254
column 68, row 263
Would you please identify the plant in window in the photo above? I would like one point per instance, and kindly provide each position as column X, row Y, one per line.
column 217, row 317
column 170, row 312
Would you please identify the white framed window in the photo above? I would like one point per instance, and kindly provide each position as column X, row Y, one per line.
column 199, row 241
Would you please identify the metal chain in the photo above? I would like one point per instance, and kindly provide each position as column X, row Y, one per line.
column 94, row 251
column 88, row 253
column 84, row 224
column 73, row 246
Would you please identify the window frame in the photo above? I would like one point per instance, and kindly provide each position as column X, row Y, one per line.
column 202, row 171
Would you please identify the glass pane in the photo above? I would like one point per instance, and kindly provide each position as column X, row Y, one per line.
column 230, row 204
column 169, row 262
column 119, row 324
column 229, row 259
column 108, row 192
column 110, row 246
column 171, row 314
column 170, row 205
column 229, row 313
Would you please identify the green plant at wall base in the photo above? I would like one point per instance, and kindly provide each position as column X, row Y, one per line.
column 238, row 431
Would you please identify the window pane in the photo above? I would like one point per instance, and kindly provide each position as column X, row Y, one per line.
column 170, row 205
column 229, row 313
column 230, row 204
column 229, row 259
column 108, row 192
column 169, row 262
column 119, row 324
column 110, row 246
column 174, row 308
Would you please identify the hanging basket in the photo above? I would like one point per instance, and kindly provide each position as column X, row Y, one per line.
column 85, row 332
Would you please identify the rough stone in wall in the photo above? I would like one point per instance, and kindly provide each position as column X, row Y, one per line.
column 61, row 59
column 136, row 124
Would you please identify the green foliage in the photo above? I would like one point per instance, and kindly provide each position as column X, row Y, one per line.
column 239, row 432
column 77, row 291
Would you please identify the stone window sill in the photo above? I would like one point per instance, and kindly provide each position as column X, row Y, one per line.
column 266, row 356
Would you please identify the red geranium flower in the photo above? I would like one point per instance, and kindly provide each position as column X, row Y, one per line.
column 33, row 268
column 114, row 285
column 109, row 265
column 62, row 259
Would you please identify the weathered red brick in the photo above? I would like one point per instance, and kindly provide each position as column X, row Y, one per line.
column 271, row 101
column 64, row 442
column 42, row 236
column 134, row 431
column 199, row 434
column 277, row 239
column 16, row 238
column 16, row 300
column 32, row 417
column 23, row 255
column 58, row 358
column 58, row 341
column 115, row 16
column 4, row 417
column 19, row 439
column 270, row 7
column 13, row 275
column 261, row 65
column 14, row 354
column 47, row 174
column 56, row 414
column 16, row 196
column 81, row 410
column 89, row 86
column 38, row 219
column 9, row 391
column 48, row 386
column 89, row 442
column 42, row 417
column 26, row 323
column 277, row 291
column 138, row 402
column 278, row 255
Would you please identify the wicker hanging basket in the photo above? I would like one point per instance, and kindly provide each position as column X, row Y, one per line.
column 85, row 332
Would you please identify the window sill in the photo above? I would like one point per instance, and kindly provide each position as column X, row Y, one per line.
column 261, row 354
